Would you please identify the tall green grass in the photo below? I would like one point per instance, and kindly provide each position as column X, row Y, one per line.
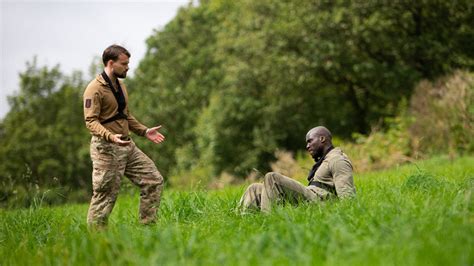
column 419, row 214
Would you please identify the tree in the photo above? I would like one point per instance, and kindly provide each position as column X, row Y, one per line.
column 43, row 139
column 232, row 81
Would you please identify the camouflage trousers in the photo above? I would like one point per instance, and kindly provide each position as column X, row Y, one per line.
column 110, row 162
column 276, row 189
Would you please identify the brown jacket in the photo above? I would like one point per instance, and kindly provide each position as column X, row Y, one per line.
column 100, row 105
column 336, row 171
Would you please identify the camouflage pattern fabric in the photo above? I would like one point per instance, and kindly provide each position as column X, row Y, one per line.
column 110, row 162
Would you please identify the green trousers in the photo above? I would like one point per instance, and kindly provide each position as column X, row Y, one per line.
column 277, row 189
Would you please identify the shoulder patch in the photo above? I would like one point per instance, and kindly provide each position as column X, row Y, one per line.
column 88, row 103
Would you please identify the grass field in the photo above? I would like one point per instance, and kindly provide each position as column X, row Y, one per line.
column 419, row 214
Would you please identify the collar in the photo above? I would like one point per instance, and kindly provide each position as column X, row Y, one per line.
column 101, row 80
column 318, row 164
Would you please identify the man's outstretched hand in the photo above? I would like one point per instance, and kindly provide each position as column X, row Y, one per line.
column 155, row 136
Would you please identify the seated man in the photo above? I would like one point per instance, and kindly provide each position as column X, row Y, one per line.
column 331, row 176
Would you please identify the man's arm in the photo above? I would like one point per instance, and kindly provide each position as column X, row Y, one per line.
column 343, row 179
column 92, row 107
column 138, row 128
column 135, row 126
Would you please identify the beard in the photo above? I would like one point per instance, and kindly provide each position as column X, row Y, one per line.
column 120, row 75
column 317, row 154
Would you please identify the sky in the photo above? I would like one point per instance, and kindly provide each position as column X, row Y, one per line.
column 72, row 32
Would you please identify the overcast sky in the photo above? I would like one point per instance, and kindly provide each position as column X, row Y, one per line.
column 72, row 32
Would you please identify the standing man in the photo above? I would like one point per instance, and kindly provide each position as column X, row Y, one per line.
column 331, row 176
column 113, row 152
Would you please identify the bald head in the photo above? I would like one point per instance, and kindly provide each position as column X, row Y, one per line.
column 318, row 141
column 319, row 131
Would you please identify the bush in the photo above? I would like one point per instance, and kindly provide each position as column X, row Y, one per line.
column 438, row 120
column 381, row 148
column 421, row 181
column 444, row 115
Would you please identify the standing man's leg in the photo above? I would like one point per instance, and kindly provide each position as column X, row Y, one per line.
column 106, row 176
column 141, row 170
column 278, row 188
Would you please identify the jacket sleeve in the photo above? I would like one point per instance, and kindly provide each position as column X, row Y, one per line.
column 343, row 180
column 92, row 107
column 135, row 126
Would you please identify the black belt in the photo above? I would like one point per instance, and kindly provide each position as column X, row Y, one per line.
column 323, row 186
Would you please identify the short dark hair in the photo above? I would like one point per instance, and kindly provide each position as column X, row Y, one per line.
column 112, row 53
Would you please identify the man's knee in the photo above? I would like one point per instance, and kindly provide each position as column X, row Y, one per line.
column 252, row 191
column 152, row 184
column 157, row 178
column 271, row 178
column 255, row 187
column 105, row 180
column 153, row 178
column 251, row 197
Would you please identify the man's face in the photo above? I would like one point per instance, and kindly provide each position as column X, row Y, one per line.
column 120, row 67
column 314, row 145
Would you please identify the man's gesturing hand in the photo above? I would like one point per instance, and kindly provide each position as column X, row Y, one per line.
column 153, row 135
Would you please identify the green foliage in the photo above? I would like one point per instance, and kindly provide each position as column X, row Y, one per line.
column 182, row 54
column 422, row 181
column 386, row 224
column 43, row 141
column 437, row 120
column 382, row 148
column 444, row 115
column 234, row 81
